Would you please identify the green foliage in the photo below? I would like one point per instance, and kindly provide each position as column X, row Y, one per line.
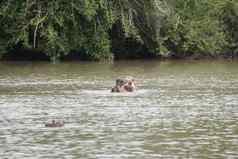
column 204, row 40
column 194, row 28
column 229, row 17
column 159, row 27
column 58, row 27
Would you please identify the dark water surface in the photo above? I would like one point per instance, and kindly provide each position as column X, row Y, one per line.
column 182, row 109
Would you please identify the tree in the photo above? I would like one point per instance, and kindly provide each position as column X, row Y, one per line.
column 91, row 27
column 194, row 29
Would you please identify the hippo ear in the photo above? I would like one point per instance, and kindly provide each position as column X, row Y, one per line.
column 118, row 81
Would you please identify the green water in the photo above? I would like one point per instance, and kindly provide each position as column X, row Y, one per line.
column 182, row 109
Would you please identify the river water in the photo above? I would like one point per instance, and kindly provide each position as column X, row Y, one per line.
column 182, row 109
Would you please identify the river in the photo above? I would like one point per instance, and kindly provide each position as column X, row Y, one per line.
column 181, row 109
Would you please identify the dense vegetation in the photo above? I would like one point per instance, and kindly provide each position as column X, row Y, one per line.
column 103, row 29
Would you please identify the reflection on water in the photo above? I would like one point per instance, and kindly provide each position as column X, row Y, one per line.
column 181, row 110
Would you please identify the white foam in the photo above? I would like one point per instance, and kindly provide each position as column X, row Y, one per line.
column 109, row 93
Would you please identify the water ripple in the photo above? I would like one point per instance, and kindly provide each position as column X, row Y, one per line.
column 174, row 113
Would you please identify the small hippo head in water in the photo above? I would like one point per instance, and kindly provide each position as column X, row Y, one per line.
column 54, row 124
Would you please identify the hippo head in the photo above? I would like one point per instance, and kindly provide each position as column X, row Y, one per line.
column 124, row 85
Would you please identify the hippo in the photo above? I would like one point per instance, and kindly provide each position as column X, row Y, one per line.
column 54, row 124
column 124, row 85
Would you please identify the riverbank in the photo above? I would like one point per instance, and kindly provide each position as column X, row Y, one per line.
column 36, row 55
column 106, row 31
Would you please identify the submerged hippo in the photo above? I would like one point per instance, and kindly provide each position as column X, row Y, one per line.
column 54, row 124
column 124, row 85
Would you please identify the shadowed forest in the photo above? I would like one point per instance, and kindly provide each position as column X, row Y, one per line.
column 117, row 29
